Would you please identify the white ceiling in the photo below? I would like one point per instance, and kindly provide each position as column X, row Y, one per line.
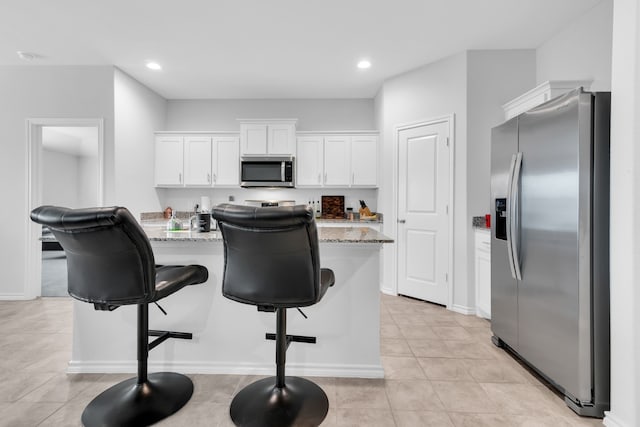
column 275, row 48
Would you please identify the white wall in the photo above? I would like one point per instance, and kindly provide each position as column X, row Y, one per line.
column 138, row 113
column 42, row 91
column 312, row 114
column 431, row 91
column 472, row 85
column 87, row 181
column 69, row 180
column 185, row 198
column 582, row 51
column 60, row 179
column 625, row 217
column 494, row 77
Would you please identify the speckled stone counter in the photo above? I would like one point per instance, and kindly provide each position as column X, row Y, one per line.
column 325, row 235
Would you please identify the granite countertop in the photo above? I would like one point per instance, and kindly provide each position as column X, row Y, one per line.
column 325, row 235
column 479, row 223
column 150, row 217
column 345, row 221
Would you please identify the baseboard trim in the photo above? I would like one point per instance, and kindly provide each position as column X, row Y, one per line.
column 612, row 421
column 388, row 291
column 319, row 370
column 13, row 297
column 462, row 309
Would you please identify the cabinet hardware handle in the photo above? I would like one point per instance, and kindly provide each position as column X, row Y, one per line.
column 402, row 221
column 180, row 177
column 325, row 177
column 319, row 178
column 209, row 178
column 215, row 177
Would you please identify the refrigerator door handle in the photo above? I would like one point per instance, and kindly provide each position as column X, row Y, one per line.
column 512, row 169
column 515, row 215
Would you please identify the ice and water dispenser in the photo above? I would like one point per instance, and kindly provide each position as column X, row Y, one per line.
column 501, row 219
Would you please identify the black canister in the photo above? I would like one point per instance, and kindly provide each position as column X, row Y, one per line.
column 204, row 222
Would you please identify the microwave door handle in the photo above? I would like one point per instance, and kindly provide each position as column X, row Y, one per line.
column 282, row 171
column 509, row 216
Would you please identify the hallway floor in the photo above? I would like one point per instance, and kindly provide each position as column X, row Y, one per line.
column 441, row 370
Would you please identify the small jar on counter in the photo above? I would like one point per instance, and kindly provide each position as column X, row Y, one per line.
column 350, row 214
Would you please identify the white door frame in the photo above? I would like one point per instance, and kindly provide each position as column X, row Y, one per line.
column 33, row 266
column 450, row 119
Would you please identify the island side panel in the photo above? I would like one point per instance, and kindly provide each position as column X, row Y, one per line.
column 229, row 336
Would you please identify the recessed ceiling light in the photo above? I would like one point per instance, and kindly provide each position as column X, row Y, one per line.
column 26, row 56
column 154, row 66
column 364, row 64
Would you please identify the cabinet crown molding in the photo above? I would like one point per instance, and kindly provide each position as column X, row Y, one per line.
column 197, row 132
column 269, row 121
column 337, row 132
column 540, row 94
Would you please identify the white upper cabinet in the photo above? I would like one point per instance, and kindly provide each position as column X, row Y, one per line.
column 226, row 161
column 268, row 137
column 169, row 161
column 364, row 161
column 337, row 160
column 253, row 139
column 309, row 161
column 197, row 161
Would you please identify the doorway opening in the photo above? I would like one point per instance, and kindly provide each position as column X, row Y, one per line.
column 65, row 169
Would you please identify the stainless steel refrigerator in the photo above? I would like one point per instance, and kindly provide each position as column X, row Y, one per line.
column 550, row 244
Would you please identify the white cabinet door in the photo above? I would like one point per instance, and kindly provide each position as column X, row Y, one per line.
column 309, row 161
column 253, row 138
column 483, row 273
column 267, row 139
column 364, row 161
column 337, row 171
column 281, row 140
column 197, row 161
column 169, row 165
column 226, row 161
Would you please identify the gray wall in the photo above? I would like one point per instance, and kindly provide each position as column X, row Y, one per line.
column 431, row 91
column 494, row 77
column 42, row 92
column 581, row 51
column 473, row 86
column 139, row 112
column 312, row 114
column 60, row 178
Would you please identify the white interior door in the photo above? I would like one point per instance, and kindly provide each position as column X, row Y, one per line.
column 423, row 224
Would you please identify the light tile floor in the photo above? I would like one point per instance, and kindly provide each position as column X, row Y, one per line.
column 441, row 370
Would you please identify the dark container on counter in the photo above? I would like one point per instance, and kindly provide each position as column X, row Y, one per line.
column 204, row 222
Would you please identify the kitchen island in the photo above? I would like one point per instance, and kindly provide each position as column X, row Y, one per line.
column 229, row 337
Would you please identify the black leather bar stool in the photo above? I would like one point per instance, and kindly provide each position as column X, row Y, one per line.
column 272, row 261
column 110, row 263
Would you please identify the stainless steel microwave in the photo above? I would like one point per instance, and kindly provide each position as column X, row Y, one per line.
column 267, row 172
